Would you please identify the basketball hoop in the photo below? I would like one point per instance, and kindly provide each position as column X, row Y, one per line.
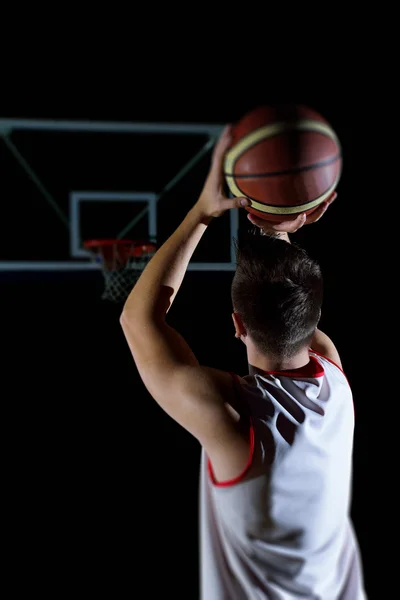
column 122, row 262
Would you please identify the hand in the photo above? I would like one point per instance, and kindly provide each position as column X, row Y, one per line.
column 294, row 224
column 212, row 201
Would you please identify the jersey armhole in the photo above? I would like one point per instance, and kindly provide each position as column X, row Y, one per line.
column 331, row 361
column 240, row 477
column 337, row 366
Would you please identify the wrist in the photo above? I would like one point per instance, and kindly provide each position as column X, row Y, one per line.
column 198, row 213
column 282, row 235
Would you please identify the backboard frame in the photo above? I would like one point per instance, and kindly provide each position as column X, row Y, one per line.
column 7, row 126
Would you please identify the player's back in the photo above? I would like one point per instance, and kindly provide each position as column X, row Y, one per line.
column 282, row 529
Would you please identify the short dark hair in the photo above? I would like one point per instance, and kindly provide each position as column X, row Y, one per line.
column 277, row 291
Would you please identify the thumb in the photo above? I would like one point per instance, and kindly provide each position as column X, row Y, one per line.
column 238, row 202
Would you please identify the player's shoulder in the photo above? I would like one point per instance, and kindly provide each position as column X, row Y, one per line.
column 331, row 367
column 323, row 345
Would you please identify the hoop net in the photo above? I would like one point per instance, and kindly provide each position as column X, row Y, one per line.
column 122, row 262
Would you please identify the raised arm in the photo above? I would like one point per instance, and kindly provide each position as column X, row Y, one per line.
column 193, row 395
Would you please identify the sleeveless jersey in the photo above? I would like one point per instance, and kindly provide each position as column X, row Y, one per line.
column 286, row 533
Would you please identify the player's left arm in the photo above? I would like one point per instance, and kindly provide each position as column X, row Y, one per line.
column 193, row 395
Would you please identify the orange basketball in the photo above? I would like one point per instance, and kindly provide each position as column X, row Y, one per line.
column 284, row 159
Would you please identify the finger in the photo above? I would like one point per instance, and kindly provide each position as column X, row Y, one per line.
column 261, row 223
column 222, row 145
column 215, row 176
column 218, row 155
column 291, row 226
column 235, row 203
column 256, row 220
column 284, row 226
column 332, row 198
column 317, row 214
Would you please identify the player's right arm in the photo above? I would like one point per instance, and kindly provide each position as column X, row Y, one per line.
column 322, row 344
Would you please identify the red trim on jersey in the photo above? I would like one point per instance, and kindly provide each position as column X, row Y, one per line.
column 340, row 369
column 311, row 370
column 237, row 479
column 331, row 361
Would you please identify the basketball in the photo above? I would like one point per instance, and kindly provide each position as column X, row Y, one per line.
column 284, row 159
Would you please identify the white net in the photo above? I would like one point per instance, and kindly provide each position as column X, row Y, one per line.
column 122, row 262
column 118, row 284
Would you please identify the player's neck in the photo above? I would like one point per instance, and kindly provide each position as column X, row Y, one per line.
column 261, row 362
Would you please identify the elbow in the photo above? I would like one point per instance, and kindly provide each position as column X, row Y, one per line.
column 125, row 318
column 132, row 319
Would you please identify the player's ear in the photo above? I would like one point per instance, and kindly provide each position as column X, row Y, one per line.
column 240, row 329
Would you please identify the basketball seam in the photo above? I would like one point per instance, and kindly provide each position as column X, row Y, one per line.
column 287, row 210
column 324, row 163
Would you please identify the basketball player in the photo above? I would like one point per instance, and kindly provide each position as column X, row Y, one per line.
column 277, row 443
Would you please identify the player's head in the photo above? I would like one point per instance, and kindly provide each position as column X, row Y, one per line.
column 277, row 294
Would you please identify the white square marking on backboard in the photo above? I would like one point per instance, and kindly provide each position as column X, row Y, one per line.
column 75, row 198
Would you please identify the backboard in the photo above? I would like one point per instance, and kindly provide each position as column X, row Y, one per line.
column 66, row 181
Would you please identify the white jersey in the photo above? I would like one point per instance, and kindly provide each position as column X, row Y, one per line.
column 286, row 534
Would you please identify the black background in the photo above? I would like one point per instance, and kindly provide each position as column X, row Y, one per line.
column 103, row 485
